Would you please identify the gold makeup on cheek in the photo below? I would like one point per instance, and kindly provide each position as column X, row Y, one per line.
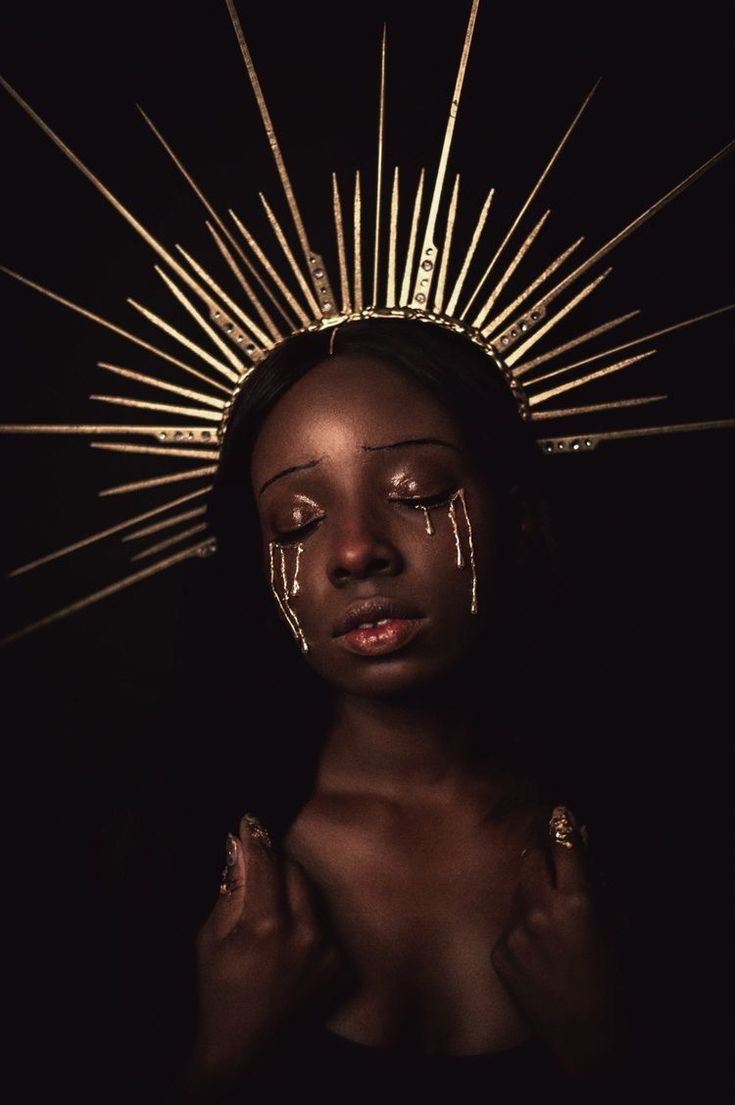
column 452, row 515
column 283, row 604
column 429, row 524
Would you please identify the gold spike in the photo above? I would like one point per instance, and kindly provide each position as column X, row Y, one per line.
column 522, row 369
column 101, row 534
column 115, row 329
column 357, row 231
column 270, row 325
column 390, row 299
column 511, row 358
column 156, row 450
column 341, row 252
column 158, row 481
column 415, row 216
column 630, row 344
column 168, row 542
column 274, row 275
column 456, row 291
column 187, row 342
column 428, row 255
column 542, row 396
column 442, row 277
column 205, row 326
column 146, row 405
column 632, row 226
column 493, row 325
column 490, row 301
column 253, row 331
column 295, row 268
column 58, row 428
column 590, row 441
column 531, row 197
column 200, row 549
column 200, row 195
column 187, row 393
column 112, row 199
column 157, row 527
column 312, row 260
column 379, row 187
column 593, row 408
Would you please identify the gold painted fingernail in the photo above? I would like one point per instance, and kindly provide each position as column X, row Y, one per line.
column 563, row 826
column 257, row 831
column 231, row 850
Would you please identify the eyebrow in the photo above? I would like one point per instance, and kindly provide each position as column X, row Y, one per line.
column 366, row 448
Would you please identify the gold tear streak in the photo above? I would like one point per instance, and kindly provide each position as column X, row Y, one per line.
column 183, row 340
column 357, row 233
column 542, row 396
column 270, row 134
column 632, row 226
column 446, row 248
column 156, row 450
column 157, row 527
column 415, row 216
column 295, row 267
column 457, row 290
column 283, row 288
column 390, row 299
column 522, row 369
column 428, row 250
column 631, row 344
column 168, row 542
column 145, row 405
column 511, row 358
column 108, row 195
column 101, row 534
column 203, row 199
column 116, row 330
column 509, row 310
column 593, row 408
column 379, row 175
column 208, row 329
column 159, row 481
column 531, row 197
column 495, row 293
column 153, row 381
column 112, row 589
column 339, row 230
column 254, row 332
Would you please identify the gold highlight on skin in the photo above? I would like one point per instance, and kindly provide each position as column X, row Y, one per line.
column 452, row 514
column 283, row 604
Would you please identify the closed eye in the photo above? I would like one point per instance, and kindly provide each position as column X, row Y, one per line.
column 426, row 502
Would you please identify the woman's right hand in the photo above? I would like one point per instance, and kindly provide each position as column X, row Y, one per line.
column 262, row 955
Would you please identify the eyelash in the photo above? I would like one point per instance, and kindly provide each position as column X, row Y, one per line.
column 426, row 502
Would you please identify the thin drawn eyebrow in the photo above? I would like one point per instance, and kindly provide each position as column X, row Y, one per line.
column 366, row 448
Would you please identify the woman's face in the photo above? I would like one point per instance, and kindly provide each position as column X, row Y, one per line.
column 357, row 464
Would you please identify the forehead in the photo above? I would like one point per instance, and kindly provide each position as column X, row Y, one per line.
column 344, row 402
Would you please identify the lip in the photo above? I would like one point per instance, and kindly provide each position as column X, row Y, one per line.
column 379, row 640
column 374, row 609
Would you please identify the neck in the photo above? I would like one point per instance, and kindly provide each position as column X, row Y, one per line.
column 401, row 745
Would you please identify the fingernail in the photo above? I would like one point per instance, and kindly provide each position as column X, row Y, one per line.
column 563, row 826
column 257, row 831
column 231, row 850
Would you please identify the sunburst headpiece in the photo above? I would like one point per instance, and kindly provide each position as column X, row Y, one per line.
column 275, row 301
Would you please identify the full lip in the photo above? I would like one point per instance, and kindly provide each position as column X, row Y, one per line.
column 372, row 610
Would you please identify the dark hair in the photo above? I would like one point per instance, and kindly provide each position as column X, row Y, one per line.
column 260, row 672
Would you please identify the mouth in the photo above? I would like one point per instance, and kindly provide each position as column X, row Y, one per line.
column 377, row 626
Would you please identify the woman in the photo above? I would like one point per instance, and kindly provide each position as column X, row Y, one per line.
column 425, row 909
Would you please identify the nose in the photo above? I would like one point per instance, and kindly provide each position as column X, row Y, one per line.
column 361, row 549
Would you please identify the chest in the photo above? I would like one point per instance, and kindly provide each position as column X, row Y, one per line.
column 418, row 906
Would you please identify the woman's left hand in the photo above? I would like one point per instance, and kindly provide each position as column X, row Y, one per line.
column 555, row 959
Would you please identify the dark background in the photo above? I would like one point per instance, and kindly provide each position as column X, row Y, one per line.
column 644, row 667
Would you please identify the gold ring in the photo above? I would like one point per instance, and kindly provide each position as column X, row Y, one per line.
column 257, row 831
column 562, row 827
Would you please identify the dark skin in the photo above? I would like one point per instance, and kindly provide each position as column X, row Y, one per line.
column 458, row 932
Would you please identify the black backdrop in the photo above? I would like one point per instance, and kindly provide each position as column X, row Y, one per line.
column 644, row 525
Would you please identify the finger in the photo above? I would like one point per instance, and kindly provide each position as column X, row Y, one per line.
column 262, row 890
column 228, row 907
column 299, row 895
column 535, row 879
column 567, row 850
